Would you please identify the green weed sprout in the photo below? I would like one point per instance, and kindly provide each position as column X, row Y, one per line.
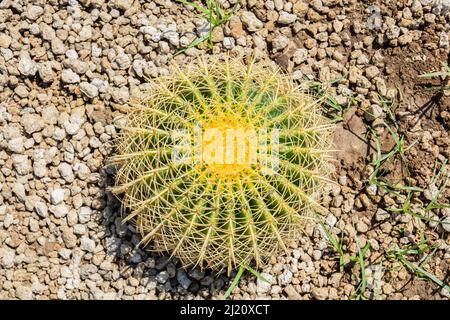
column 214, row 14
column 218, row 209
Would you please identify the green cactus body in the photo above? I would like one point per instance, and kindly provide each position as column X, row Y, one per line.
column 254, row 155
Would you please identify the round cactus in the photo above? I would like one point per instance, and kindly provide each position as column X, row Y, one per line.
column 220, row 162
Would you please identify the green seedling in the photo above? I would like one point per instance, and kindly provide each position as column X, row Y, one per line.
column 398, row 150
column 238, row 277
column 216, row 16
column 421, row 249
column 337, row 245
column 332, row 109
column 434, row 202
column 444, row 74
column 359, row 260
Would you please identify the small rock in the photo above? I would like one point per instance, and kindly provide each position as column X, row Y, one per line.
column 85, row 33
column 405, row 39
column 123, row 4
column 373, row 112
column 162, row 277
column 27, row 67
column 444, row 40
column 235, row 25
column 331, row 220
column 59, row 211
column 183, row 279
column 70, row 77
column 338, row 26
column 31, row 123
column 381, row 215
column 251, row 22
column 19, row 191
column 57, row 196
column 58, row 46
column 16, row 145
column 286, row 18
column 87, row 244
column 120, row 95
column 5, row 40
column 34, row 12
column 84, row 216
column 70, row 240
column 280, row 42
column 446, row 224
column 361, row 227
column 66, row 172
column 45, row 71
column 372, row 72
column 300, row 56
column 89, row 90
column 41, row 209
column 24, row 293
column 264, row 286
column 285, row 278
column 228, row 43
column 292, row 293
column 7, row 260
column 21, row 163
column 79, row 229
column 320, row 293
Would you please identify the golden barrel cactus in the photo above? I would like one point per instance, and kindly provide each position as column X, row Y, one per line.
column 221, row 161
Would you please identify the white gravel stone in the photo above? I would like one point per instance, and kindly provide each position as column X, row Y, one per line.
column 81, row 170
column 66, row 172
column 155, row 34
column 27, row 67
column 84, row 215
column 123, row 4
column 229, row 43
column 7, row 258
column 45, row 71
column 50, row 114
column 24, row 293
column 19, row 191
column 331, row 220
column 34, row 12
column 446, row 224
column 79, row 229
column 41, row 209
column 89, row 90
column 381, row 215
column 285, row 278
column 57, row 196
column 280, row 42
column 300, row 56
column 59, row 211
column 85, row 33
column 264, row 286
column 374, row 112
column 58, row 46
column 16, row 145
column 70, row 77
column 31, row 123
column 87, row 244
column 65, row 253
column 251, row 21
column 286, row 18
column 40, row 168
column 21, row 163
